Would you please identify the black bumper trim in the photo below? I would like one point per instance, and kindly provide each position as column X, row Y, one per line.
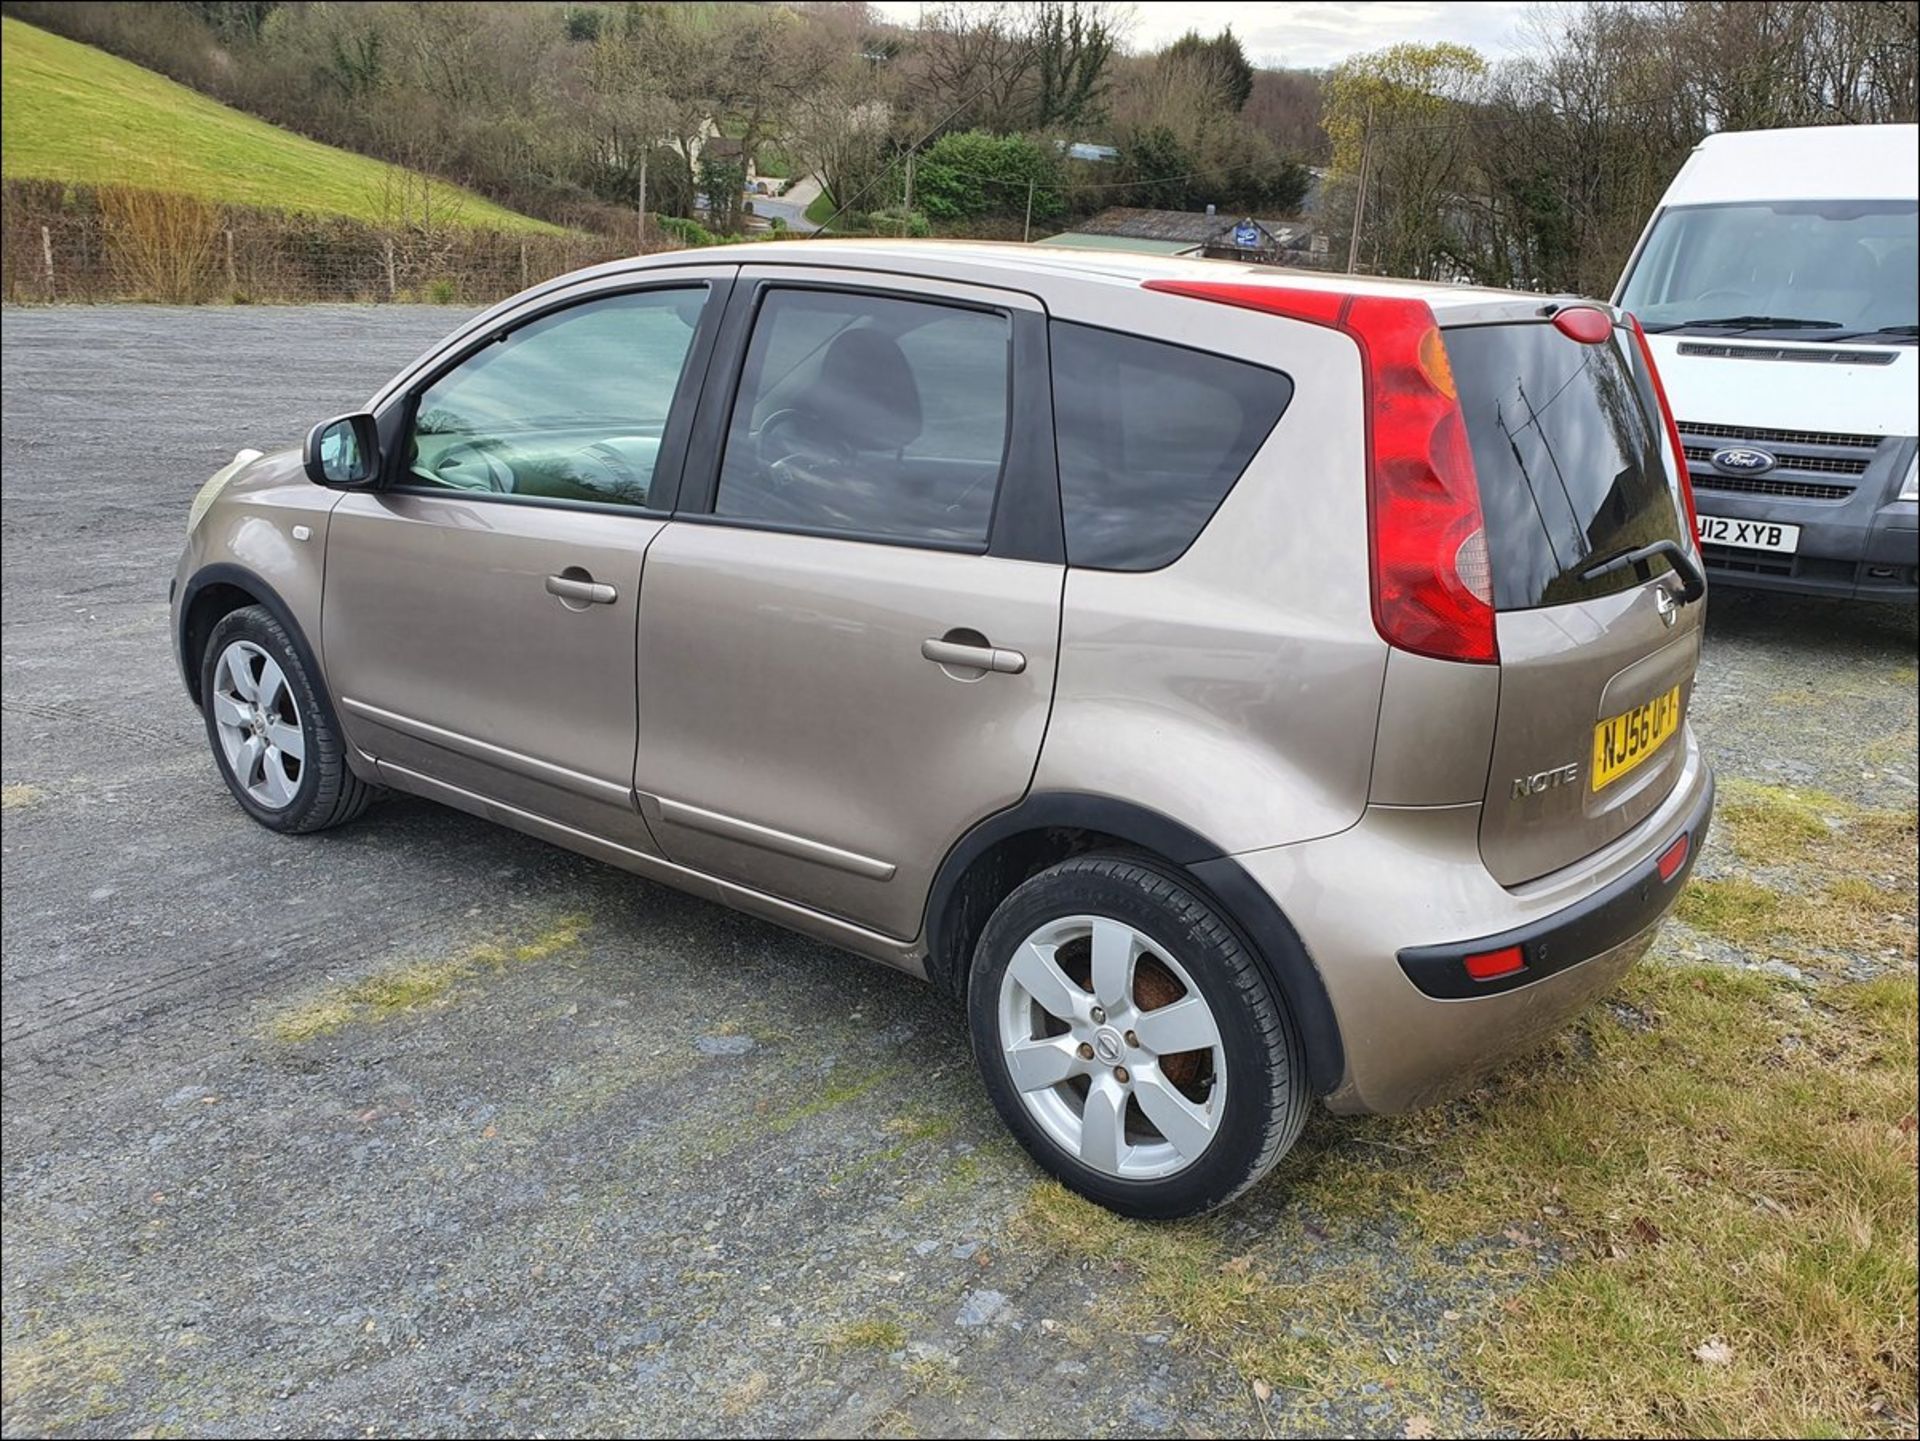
column 1564, row 939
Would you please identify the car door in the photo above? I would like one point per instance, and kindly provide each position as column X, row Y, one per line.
column 848, row 630
column 479, row 609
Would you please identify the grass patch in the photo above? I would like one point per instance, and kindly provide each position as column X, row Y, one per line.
column 78, row 114
column 1854, row 870
column 820, row 209
column 17, row 798
column 1723, row 1170
column 419, row 983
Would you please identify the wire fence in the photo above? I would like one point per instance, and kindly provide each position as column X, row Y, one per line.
column 78, row 243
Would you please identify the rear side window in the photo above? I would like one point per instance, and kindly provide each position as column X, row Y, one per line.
column 1151, row 438
column 870, row 416
column 1567, row 447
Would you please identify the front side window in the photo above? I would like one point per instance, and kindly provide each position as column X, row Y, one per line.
column 869, row 416
column 571, row 406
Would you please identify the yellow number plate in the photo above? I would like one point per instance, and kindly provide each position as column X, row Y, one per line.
column 1623, row 741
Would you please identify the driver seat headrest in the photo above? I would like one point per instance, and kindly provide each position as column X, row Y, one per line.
column 865, row 392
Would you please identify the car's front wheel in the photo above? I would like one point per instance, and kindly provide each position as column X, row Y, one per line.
column 1131, row 1041
column 274, row 736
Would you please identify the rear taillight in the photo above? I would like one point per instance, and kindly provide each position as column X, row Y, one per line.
column 1673, row 431
column 1432, row 576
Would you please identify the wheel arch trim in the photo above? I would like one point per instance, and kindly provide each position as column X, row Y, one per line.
column 1242, row 901
column 240, row 578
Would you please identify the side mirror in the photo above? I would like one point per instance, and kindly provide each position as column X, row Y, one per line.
column 343, row 454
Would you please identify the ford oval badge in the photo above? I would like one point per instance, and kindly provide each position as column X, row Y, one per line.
column 1743, row 460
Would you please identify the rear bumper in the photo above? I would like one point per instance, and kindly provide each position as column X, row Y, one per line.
column 1389, row 909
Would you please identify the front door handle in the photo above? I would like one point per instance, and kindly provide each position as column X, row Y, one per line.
column 581, row 589
column 975, row 657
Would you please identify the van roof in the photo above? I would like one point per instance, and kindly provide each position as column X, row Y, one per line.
column 1821, row 162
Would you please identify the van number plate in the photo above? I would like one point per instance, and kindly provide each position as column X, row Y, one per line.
column 1750, row 534
column 1622, row 742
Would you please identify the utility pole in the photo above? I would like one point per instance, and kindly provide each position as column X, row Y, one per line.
column 1360, row 200
column 906, row 211
column 1026, row 231
column 643, row 202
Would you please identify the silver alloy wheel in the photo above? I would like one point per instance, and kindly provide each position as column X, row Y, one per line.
column 1077, row 1083
column 258, row 723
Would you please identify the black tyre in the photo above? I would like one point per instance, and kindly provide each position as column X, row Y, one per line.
column 273, row 731
column 1132, row 1041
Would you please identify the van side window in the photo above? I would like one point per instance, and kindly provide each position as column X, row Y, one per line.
column 1151, row 438
column 870, row 416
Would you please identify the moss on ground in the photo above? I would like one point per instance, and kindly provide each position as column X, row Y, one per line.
column 416, row 984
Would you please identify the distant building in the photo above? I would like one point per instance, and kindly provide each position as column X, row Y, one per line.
column 1193, row 232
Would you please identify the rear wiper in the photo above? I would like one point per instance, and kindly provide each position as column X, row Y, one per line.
column 1763, row 322
column 1693, row 585
column 1894, row 330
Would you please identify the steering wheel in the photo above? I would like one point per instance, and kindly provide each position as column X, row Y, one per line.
column 457, row 468
column 1720, row 293
column 782, row 443
column 604, row 459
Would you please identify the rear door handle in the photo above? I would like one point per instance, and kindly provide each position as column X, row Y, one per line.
column 581, row 592
column 977, row 657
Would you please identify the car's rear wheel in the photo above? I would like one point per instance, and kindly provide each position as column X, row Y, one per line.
column 273, row 733
column 1131, row 1041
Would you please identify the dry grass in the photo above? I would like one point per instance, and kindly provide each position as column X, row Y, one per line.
column 1852, row 880
column 1720, row 1161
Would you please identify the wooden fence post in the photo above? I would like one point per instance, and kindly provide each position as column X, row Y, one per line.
column 233, row 276
column 46, row 257
column 523, row 265
column 390, row 284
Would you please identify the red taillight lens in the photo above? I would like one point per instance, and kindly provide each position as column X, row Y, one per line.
column 1583, row 323
column 1432, row 574
column 1491, row 965
column 1673, row 431
column 1672, row 858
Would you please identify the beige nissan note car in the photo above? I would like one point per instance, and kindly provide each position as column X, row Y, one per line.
column 1234, row 686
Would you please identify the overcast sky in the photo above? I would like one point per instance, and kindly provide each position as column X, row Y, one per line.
column 1319, row 32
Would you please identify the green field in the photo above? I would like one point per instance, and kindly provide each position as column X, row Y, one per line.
column 78, row 114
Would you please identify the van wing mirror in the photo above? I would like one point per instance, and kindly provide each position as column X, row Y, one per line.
column 343, row 453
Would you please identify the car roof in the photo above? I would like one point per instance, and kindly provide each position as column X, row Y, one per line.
column 1003, row 262
column 1820, row 162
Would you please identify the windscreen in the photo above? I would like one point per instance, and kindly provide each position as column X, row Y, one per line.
column 1833, row 269
column 1568, row 451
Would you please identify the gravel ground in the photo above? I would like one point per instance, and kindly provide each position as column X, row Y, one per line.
column 645, row 1165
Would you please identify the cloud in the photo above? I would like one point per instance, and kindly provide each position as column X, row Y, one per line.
column 1320, row 32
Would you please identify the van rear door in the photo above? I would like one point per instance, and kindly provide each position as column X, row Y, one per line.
column 1573, row 463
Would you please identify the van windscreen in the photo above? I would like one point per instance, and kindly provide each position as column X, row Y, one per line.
column 1831, row 269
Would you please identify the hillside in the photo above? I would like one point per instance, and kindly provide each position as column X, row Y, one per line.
column 78, row 114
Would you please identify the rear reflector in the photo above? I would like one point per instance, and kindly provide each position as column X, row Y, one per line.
column 1584, row 324
column 1674, row 857
column 1432, row 575
column 1491, row 965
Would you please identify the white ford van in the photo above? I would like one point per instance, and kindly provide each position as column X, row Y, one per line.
column 1776, row 283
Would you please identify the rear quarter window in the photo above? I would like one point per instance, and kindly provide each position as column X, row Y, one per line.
column 1151, row 438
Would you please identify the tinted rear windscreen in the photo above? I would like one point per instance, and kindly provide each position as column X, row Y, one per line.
column 1567, row 445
